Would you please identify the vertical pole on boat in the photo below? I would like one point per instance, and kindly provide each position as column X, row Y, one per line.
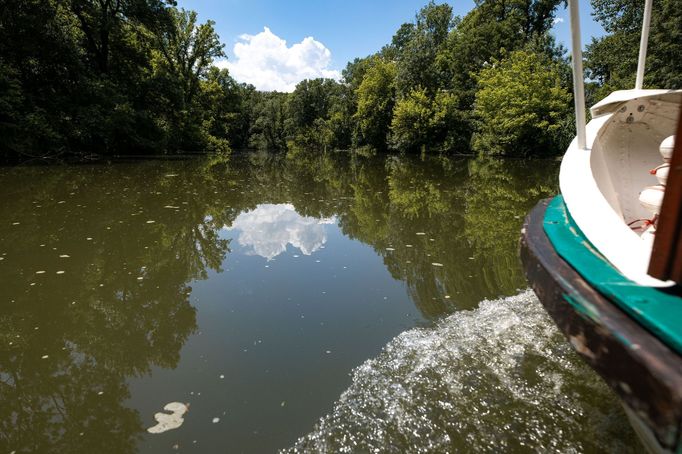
column 578, row 78
column 641, row 62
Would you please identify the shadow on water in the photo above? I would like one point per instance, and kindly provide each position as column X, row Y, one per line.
column 98, row 264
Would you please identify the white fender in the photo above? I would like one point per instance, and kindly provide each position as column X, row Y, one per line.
column 667, row 147
column 651, row 198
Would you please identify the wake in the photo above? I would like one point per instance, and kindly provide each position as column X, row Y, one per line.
column 497, row 378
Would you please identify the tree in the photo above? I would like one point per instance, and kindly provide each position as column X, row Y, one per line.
column 423, row 123
column 376, row 98
column 612, row 59
column 318, row 113
column 522, row 107
column 268, row 130
column 419, row 48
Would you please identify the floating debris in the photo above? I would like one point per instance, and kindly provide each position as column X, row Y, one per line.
column 421, row 233
column 40, row 272
column 64, row 256
column 60, row 272
column 437, row 264
column 216, row 420
column 44, row 357
column 150, row 222
column 390, row 249
column 165, row 421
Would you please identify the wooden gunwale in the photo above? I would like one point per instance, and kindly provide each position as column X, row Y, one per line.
column 640, row 369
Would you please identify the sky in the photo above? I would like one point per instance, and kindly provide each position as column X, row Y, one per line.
column 274, row 44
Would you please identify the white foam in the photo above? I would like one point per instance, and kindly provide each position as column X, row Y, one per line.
column 500, row 377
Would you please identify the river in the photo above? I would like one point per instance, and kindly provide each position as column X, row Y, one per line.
column 311, row 303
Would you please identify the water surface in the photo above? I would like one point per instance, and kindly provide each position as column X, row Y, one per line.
column 310, row 303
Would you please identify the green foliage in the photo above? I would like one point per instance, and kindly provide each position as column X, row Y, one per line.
column 376, row 98
column 426, row 123
column 418, row 61
column 319, row 114
column 110, row 77
column 268, row 130
column 522, row 107
column 102, row 77
column 612, row 59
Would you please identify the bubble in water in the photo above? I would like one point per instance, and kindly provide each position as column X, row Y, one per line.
column 498, row 378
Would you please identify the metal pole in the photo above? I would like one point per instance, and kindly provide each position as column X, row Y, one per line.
column 641, row 62
column 578, row 78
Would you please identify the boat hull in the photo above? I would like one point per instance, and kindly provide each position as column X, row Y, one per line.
column 644, row 373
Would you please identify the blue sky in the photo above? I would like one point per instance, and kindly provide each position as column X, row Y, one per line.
column 342, row 30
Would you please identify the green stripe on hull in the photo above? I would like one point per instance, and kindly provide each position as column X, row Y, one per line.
column 657, row 310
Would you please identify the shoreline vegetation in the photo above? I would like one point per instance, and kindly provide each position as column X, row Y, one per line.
column 82, row 79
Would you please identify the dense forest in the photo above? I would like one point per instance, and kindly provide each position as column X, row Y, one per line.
column 91, row 78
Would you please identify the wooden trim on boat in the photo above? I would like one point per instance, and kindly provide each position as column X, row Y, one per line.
column 644, row 373
column 666, row 253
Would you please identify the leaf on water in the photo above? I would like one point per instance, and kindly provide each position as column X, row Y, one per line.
column 165, row 421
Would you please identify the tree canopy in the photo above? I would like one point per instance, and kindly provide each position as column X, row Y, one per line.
column 112, row 77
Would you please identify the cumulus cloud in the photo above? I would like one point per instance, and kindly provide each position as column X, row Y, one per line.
column 269, row 228
column 266, row 61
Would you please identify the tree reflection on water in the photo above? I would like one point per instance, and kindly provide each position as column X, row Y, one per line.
column 97, row 263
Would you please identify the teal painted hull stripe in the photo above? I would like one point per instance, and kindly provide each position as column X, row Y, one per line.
column 655, row 309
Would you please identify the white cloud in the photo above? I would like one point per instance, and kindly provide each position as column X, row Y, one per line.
column 557, row 20
column 266, row 61
column 268, row 230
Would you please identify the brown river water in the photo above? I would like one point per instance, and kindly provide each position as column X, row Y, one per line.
column 310, row 303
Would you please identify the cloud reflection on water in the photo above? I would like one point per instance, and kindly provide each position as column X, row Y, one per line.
column 268, row 229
